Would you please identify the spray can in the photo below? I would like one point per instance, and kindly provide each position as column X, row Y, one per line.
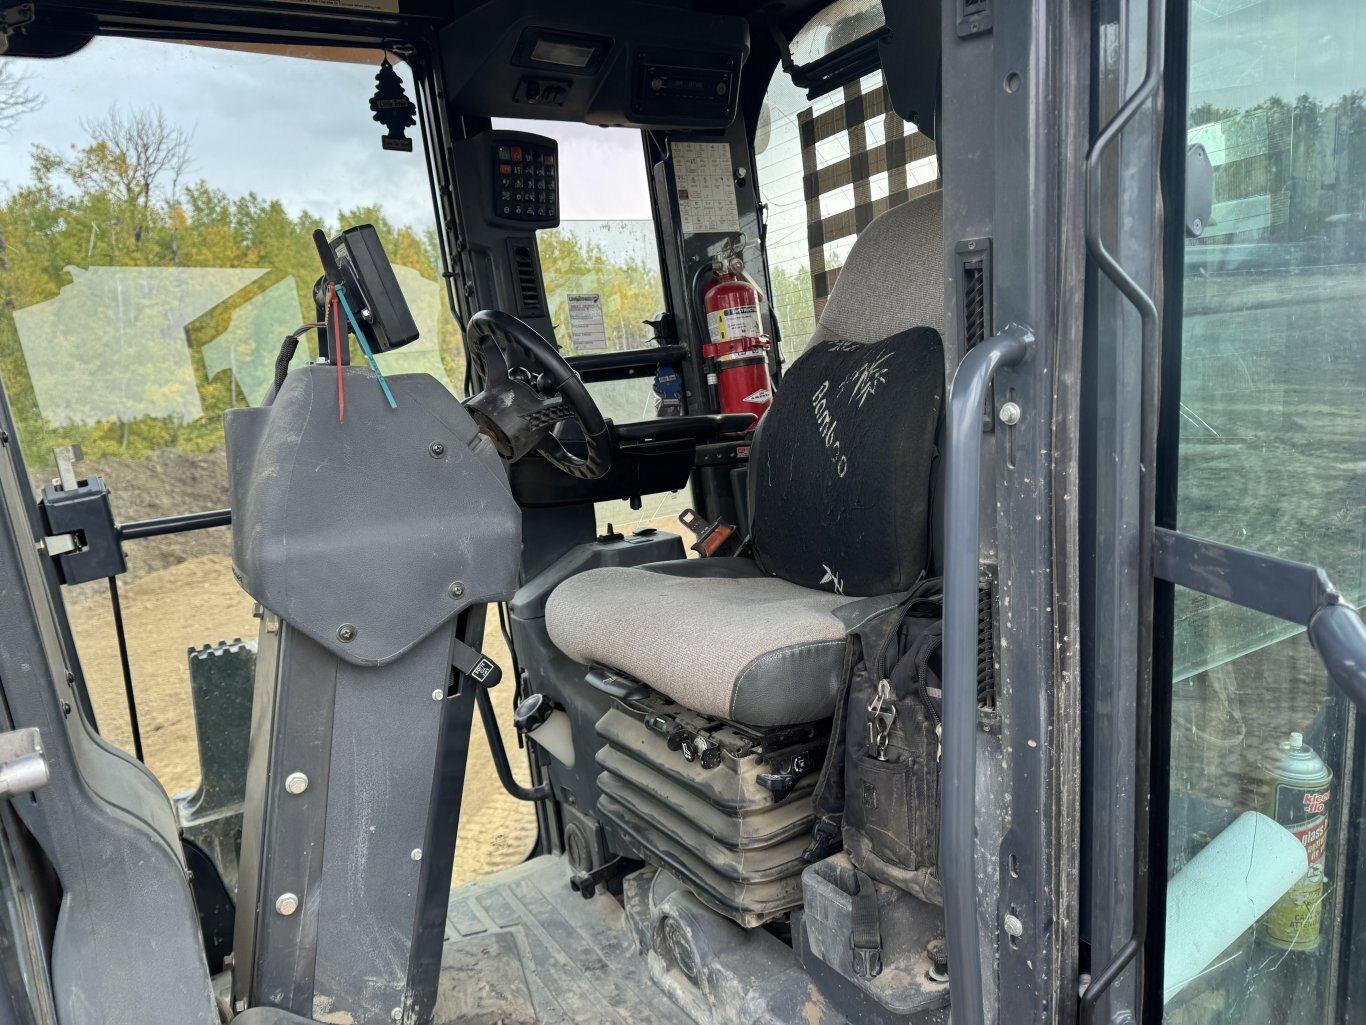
column 1299, row 788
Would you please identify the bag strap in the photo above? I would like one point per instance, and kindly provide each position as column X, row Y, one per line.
column 865, row 934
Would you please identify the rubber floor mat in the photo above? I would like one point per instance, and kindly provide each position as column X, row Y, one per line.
column 522, row 948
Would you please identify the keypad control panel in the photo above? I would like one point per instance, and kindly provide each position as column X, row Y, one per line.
column 526, row 179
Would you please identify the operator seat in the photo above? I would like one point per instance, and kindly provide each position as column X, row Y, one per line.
column 840, row 479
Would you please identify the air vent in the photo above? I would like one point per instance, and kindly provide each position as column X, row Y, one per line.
column 526, row 279
column 974, row 306
column 987, row 716
column 974, row 303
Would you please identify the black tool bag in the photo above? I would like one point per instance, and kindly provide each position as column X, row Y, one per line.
column 878, row 793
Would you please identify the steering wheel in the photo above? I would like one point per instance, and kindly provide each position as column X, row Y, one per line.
column 528, row 390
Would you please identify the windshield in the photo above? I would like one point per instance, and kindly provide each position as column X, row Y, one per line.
column 157, row 202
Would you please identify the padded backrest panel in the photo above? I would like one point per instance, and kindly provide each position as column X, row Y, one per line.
column 843, row 468
column 841, row 471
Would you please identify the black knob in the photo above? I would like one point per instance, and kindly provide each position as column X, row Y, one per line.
column 531, row 713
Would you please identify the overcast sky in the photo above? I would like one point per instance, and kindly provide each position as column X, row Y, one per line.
column 296, row 130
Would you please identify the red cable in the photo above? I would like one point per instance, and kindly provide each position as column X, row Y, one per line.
column 335, row 313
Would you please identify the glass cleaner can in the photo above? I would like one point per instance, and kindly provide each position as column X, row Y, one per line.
column 1298, row 791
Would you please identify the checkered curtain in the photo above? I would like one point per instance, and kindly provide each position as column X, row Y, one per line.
column 902, row 145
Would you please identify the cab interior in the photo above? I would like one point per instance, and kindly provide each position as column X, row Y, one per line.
column 673, row 703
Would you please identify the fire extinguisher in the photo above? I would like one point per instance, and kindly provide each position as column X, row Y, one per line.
column 736, row 350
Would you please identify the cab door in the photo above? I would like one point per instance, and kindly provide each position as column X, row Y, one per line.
column 1243, row 886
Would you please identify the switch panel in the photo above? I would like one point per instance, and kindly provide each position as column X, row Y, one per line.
column 526, row 179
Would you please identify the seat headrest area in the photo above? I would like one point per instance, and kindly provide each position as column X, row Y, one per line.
column 893, row 278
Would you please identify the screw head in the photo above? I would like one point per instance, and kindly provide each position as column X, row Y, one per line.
column 456, row 590
column 396, row 1014
column 286, row 904
column 1197, row 225
column 296, row 783
column 346, row 632
column 437, row 449
column 417, row 854
column 438, row 694
column 1010, row 414
column 1013, row 926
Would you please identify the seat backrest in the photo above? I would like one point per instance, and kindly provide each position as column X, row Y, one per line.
column 841, row 468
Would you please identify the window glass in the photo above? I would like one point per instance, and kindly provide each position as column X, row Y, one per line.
column 157, row 202
column 605, row 254
column 858, row 160
column 1272, row 458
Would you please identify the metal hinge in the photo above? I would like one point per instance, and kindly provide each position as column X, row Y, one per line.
column 23, row 767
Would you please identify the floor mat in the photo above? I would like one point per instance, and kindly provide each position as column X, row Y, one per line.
column 523, row 948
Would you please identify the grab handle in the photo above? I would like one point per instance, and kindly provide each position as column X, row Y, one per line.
column 957, row 843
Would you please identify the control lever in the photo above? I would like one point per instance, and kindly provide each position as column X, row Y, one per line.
column 484, row 672
column 586, row 884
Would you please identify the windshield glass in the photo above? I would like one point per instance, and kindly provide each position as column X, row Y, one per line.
column 157, row 202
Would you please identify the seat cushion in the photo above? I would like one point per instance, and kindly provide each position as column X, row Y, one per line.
column 716, row 635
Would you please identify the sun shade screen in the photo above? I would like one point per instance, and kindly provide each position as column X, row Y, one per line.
column 835, row 27
column 859, row 159
column 841, row 466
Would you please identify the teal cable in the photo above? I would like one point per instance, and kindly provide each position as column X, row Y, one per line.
column 365, row 347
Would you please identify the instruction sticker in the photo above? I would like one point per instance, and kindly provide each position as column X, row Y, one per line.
column 587, row 331
column 733, row 322
column 706, row 188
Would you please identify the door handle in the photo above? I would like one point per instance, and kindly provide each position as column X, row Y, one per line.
column 962, row 514
column 1339, row 636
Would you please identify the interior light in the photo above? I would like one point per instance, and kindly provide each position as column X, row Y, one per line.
column 562, row 52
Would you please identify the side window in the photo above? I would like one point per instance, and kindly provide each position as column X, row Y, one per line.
column 826, row 168
column 1262, row 747
column 156, row 205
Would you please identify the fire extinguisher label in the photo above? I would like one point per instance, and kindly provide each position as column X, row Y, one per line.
column 760, row 396
column 733, row 322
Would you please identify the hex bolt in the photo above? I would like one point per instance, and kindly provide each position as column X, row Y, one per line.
column 286, row 904
column 456, row 590
column 296, row 782
column 437, row 449
column 346, row 632
column 438, row 694
column 1013, row 926
column 417, row 854
column 1010, row 414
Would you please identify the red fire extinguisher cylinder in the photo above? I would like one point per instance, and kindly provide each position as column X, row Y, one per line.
column 736, row 350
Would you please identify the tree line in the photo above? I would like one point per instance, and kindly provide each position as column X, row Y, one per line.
column 125, row 198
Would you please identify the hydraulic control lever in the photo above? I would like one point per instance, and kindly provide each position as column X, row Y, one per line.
column 482, row 671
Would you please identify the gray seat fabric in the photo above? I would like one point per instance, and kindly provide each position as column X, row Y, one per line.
column 716, row 635
column 719, row 636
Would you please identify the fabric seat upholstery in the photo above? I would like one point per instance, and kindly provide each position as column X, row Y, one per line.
column 716, row 635
column 723, row 636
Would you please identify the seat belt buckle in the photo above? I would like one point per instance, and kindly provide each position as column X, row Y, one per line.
column 714, row 540
column 867, row 961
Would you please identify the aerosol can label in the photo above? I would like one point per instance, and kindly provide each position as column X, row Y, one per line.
column 733, row 322
column 1299, row 791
